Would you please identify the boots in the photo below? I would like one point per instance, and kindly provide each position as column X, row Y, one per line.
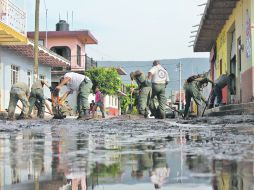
column 84, row 115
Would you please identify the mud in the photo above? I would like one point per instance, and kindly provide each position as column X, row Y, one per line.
column 128, row 153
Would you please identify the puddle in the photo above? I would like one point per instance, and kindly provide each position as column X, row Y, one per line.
column 125, row 155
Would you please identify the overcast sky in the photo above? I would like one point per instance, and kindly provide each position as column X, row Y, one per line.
column 127, row 29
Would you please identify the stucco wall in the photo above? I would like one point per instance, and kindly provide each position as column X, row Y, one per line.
column 8, row 58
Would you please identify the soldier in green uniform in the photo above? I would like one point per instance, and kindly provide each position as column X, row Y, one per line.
column 37, row 94
column 144, row 90
column 159, row 78
column 19, row 91
column 192, row 87
column 224, row 80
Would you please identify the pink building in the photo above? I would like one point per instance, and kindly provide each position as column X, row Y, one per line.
column 70, row 45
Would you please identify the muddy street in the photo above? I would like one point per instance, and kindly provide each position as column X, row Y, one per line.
column 128, row 154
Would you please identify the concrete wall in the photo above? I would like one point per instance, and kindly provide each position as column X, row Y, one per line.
column 8, row 58
column 244, row 77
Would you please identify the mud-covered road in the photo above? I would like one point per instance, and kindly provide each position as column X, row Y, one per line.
column 128, row 153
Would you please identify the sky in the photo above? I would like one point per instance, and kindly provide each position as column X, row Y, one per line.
column 126, row 30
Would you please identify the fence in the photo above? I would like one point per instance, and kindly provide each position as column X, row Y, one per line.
column 13, row 16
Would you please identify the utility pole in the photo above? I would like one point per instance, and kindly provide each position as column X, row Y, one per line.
column 36, row 39
column 180, row 84
column 46, row 37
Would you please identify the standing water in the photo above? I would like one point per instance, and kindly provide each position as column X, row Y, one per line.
column 122, row 154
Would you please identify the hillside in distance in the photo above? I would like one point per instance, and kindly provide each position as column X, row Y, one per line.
column 190, row 66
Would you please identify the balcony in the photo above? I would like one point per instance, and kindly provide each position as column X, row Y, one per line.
column 90, row 63
column 12, row 24
column 76, row 65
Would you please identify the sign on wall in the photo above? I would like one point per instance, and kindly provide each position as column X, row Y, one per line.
column 248, row 35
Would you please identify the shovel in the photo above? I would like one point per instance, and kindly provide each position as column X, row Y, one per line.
column 173, row 109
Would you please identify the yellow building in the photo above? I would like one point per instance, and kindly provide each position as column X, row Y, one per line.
column 226, row 31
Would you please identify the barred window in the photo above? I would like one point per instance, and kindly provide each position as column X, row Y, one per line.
column 14, row 74
column 29, row 78
column 42, row 77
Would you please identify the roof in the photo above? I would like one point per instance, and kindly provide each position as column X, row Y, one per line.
column 46, row 56
column 214, row 18
column 84, row 36
column 121, row 71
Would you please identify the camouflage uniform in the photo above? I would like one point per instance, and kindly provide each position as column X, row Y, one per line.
column 37, row 94
column 19, row 91
column 192, row 90
column 224, row 80
column 145, row 92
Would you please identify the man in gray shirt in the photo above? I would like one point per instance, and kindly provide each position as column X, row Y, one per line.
column 224, row 80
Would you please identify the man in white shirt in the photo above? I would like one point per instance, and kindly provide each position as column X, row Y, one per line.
column 83, row 85
column 159, row 78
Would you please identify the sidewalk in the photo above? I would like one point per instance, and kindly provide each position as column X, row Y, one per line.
column 232, row 109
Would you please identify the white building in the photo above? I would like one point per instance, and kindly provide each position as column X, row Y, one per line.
column 17, row 53
column 16, row 65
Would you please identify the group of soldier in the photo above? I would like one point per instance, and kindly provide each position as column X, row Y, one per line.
column 153, row 86
column 151, row 93
column 149, row 88
column 73, row 82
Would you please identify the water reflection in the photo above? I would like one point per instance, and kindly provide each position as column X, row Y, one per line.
column 57, row 158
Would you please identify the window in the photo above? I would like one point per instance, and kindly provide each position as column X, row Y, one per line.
column 41, row 42
column 14, row 74
column 78, row 55
column 42, row 77
column 29, row 78
column 116, row 102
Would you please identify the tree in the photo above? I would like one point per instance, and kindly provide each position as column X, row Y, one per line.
column 128, row 100
column 107, row 79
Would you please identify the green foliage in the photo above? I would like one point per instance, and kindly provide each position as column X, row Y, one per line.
column 106, row 78
column 127, row 101
column 102, row 170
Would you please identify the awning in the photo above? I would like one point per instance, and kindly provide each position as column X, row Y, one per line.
column 46, row 56
column 121, row 71
column 215, row 16
column 9, row 36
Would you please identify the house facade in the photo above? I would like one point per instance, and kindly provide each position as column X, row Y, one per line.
column 17, row 53
column 226, row 31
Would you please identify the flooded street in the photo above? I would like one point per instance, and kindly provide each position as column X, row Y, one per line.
column 128, row 154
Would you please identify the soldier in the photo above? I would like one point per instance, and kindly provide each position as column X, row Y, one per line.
column 19, row 91
column 83, row 85
column 159, row 78
column 193, row 86
column 224, row 80
column 37, row 97
column 144, row 91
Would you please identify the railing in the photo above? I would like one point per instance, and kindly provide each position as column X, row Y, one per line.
column 13, row 16
column 90, row 63
column 86, row 62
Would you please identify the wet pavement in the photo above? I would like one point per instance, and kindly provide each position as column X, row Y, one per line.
column 128, row 154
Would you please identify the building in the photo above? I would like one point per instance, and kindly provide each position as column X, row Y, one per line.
column 17, row 53
column 226, row 31
column 70, row 45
